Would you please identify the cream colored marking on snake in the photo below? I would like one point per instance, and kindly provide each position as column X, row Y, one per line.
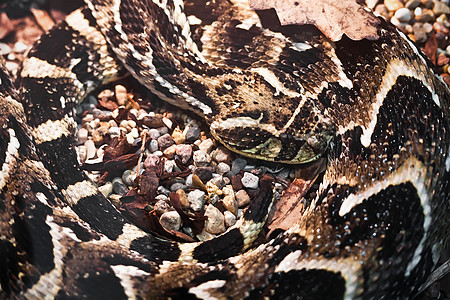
column 130, row 233
column 126, row 274
column 78, row 191
column 52, row 130
column 12, row 151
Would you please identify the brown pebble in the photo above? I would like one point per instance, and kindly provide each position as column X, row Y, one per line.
column 442, row 60
column 183, row 198
column 236, row 182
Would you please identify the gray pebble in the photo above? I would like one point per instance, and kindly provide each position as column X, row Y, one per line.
column 119, row 187
column 196, row 200
column 177, row 186
column 237, row 165
column 81, row 150
column 162, row 198
column 218, row 180
column 165, row 141
column 420, row 32
column 128, row 177
column 215, row 223
column 170, row 220
column 192, row 134
column 412, row 4
column 250, row 181
column 162, row 130
column 163, row 190
column 230, row 218
column 403, row 15
column 154, row 133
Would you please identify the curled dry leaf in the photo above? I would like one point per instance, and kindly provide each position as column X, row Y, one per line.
column 333, row 18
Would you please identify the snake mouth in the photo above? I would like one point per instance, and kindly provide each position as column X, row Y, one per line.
column 263, row 143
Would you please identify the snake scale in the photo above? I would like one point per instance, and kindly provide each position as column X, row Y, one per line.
column 373, row 228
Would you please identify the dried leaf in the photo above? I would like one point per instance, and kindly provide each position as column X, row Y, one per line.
column 430, row 48
column 42, row 18
column 333, row 18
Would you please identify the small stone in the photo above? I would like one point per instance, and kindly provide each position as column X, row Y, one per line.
column 169, row 166
column 201, row 158
column 204, row 173
column 90, row 149
column 427, row 3
column 170, row 151
column 119, row 187
column 121, row 94
column 115, row 200
column 426, row 17
column 153, row 146
column 184, row 151
column 153, row 133
column 206, row 145
column 236, row 182
column 20, row 47
column 250, row 181
column 229, row 201
column 196, row 200
column 393, row 5
column 161, row 207
column 162, row 190
column 230, row 218
column 106, row 189
column 153, row 121
column 151, row 161
column 218, row 180
column 412, row 4
column 440, row 8
column 242, row 198
column 189, row 180
column 178, row 136
column 382, row 10
column 165, row 141
column 82, row 135
column 215, row 223
column 237, row 165
column 371, row 3
column 167, row 122
column 99, row 134
column 177, row 186
column 170, row 220
column 162, row 198
column 221, row 155
column 192, row 134
column 162, row 130
column 128, row 177
column 223, row 168
column 403, row 15
column 183, row 198
column 82, row 153
column 5, row 49
column 114, row 131
column 427, row 27
column 420, row 33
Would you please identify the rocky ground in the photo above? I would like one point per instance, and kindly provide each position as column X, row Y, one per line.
column 125, row 132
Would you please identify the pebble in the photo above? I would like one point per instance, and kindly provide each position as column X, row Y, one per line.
column 440, row 8
column 165, row 141
column 162, row 198
column 223, row 168
column 220, row 155
column 371, row 3
column 119, row 187
column 5, row 49
column 206, row 145
column 161, row 207
column 382, row 10
column 153, row 146
column 237, row 165
column 229, row 201
column 81, row 151
column 106, row 189
column 412, row 4
column 163, row 190
column 162, row 130
column 204, row 173
column 420, row 33
column 250, row 181
column 128, row 177
column 20, row 47
column 215, row 223
column 196, row 200
column 230, row 218
column 177, row 186
column 169, row 166
column 170, row 220
column 183, row 198
column 201, row 158
column 151, row 161
column 121, row 94
column 403, row 15
column 192, row 134
column 167, row 122
column 153, row 133
column 242, row 198
column 178, row 136
column 82, row 135
column 90, row 149
column 425, row 17
column 114, row 131
column 170, row 151
column 184, row 151
column 218, row 180
column 393, row 5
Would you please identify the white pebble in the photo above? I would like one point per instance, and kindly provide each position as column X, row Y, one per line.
column 215, row 223
column 196, row 200
column 170, row 220
column 250, row 181
column 403, row 15
column 230, row 218
column 90, row 149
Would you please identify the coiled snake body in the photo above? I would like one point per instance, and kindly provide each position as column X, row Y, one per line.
column 373, row 228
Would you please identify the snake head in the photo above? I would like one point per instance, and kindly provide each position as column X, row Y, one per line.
column 266, row 137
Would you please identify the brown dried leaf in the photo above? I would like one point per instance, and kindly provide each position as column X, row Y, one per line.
column 6, row 26
column 333, row 18
column 430, row 48
column 42, row 18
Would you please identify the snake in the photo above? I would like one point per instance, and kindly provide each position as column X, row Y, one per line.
column 373, row 224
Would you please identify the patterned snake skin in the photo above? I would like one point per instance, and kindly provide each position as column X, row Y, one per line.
column 372, row 227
